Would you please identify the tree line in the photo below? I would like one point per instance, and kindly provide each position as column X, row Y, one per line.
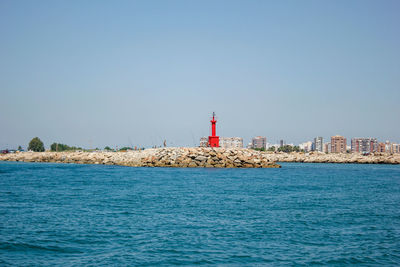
column 62, row 147
column 37, row 145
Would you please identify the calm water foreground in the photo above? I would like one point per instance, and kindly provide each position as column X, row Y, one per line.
column 59, row 214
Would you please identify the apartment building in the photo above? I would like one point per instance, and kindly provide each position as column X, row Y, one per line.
column 338, row 144
column 364, row 145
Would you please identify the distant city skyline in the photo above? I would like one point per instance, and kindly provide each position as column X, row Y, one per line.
column 204, row 140
column 96, row 74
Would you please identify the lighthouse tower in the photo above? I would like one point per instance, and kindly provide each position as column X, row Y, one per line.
column 213, row 140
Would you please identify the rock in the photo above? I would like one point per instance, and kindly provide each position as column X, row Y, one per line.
column 201, row 158
column 192, row 164
column 197, row 157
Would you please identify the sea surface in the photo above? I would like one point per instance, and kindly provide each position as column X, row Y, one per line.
column 301, row 214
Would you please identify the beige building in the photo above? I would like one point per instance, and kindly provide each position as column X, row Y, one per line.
column 225, row 142
column 259, row 142
column 391, row 147
column 327, row 148
column 231, row 142
column 381, row 148
column 394, row 148
column 338, row 144
column 204, row 142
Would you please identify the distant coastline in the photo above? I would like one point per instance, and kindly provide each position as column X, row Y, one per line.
column 199, row 157
column 320, row 157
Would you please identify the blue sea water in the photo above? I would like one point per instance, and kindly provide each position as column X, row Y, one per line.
column 301, row 214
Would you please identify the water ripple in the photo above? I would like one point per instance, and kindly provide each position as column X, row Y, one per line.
column 302, row 214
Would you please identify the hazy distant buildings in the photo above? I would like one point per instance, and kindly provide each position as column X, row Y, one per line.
column 381, row 147
column 270, row 146
column 387, row 146
column 392, row 147
column 338, row 144
column 225, row 142
column 231, row 142
column 364, row 145
column 318, row 144
column 327, row 148
column 203, row 142
column 306, row 146
column 259, row 142
column 281, row 143
column 395, row 148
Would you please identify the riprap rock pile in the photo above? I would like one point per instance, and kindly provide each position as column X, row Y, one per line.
column 160, row 157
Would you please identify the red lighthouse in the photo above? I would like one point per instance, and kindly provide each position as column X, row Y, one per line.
column 213, row 140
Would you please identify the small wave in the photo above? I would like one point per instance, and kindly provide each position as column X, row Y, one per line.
column 12, row 246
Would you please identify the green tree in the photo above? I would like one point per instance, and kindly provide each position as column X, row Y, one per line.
column 53, row 147
column 63, row 147
column 107, row 148
column 125, row 148
column 36, row 145
column 289, row 148
column 19, row 148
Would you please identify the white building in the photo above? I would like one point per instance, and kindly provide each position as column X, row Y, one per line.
column 395, row 148
column 307, row 146
column 231, row 142
column 348, row 147
column 388, row 146
column 318, row 144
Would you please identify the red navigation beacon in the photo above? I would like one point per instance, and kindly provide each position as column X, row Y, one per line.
column 213, row 140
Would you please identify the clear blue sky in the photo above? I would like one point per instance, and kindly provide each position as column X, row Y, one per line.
column 97, row 73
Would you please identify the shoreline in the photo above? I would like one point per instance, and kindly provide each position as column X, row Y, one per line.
column 198, row 157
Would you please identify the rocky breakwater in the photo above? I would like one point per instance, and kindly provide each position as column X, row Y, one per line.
column 318, row 157
column 161, row 157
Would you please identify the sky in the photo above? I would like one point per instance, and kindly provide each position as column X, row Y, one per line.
column 135, row 73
